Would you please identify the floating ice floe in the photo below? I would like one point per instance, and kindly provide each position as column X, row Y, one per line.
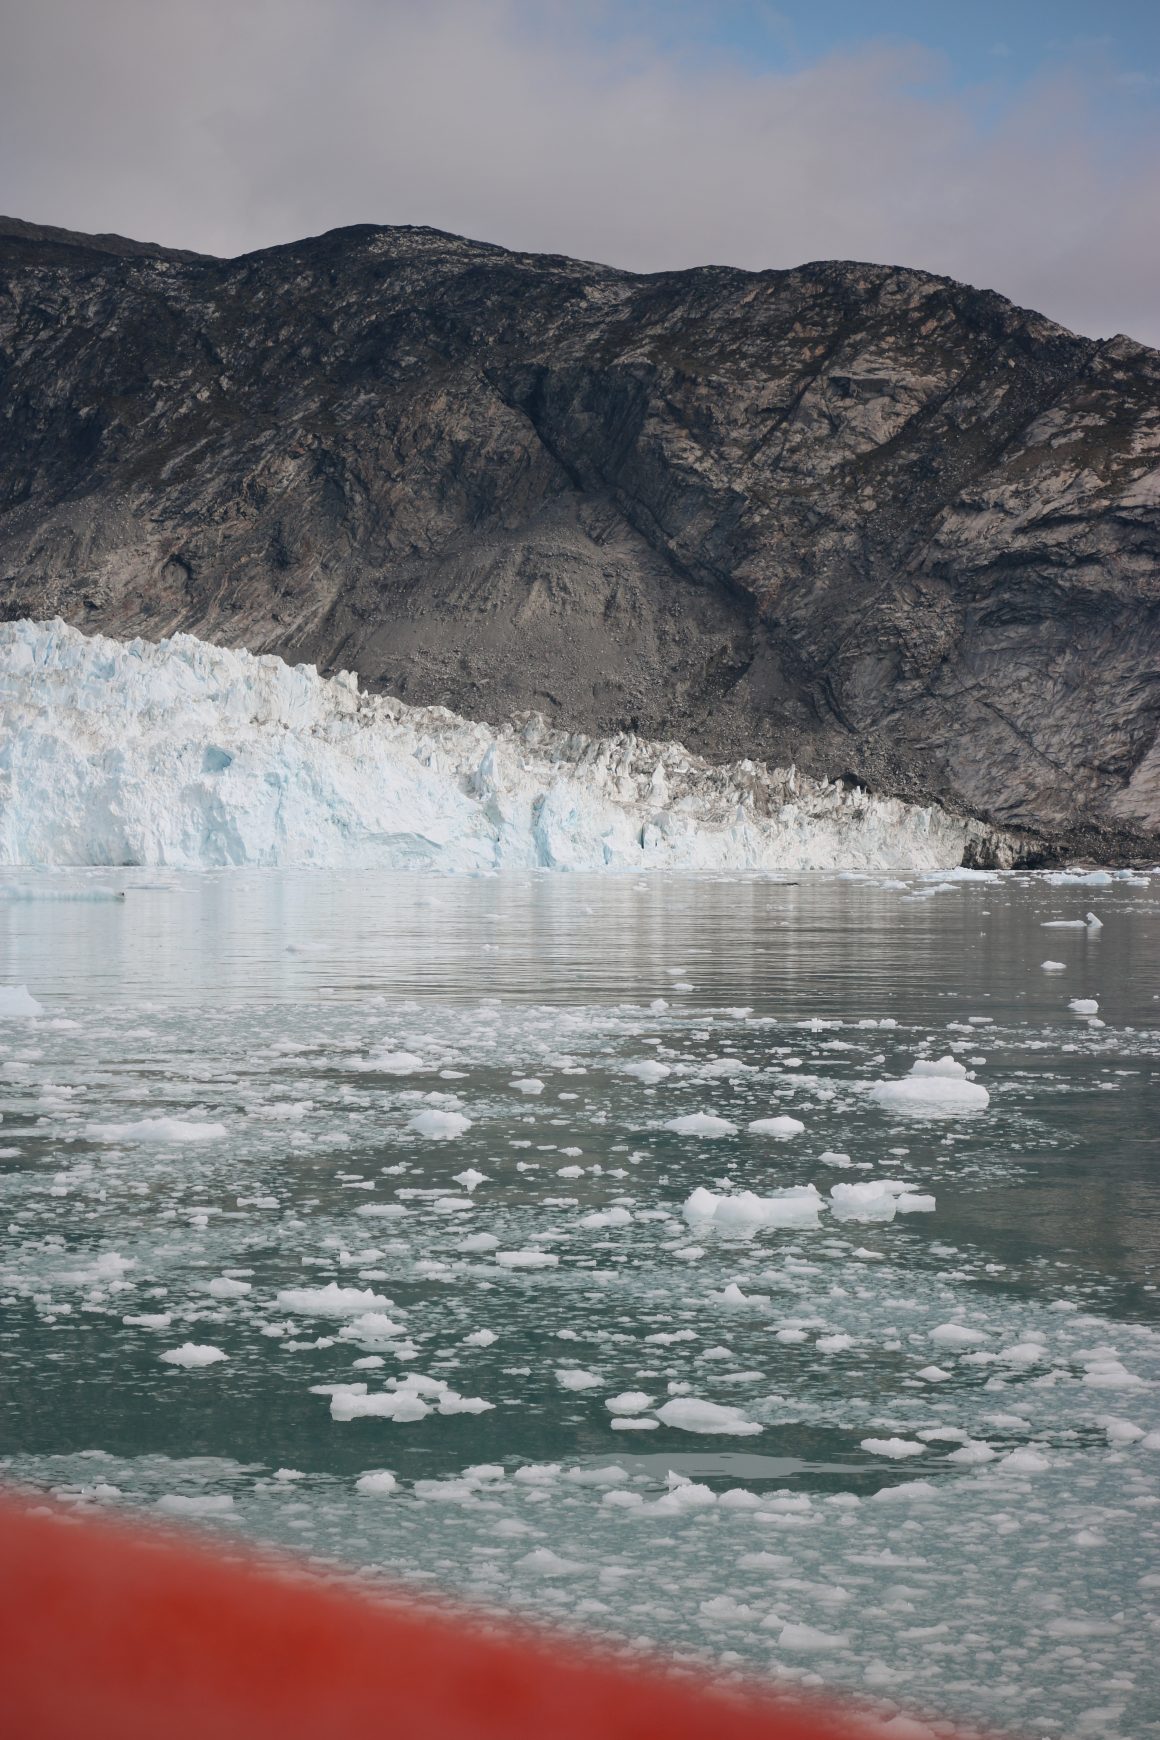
column 1084, row 1006
column 190, row 1355
column 376, row 1483
column 187, row 754
column 688, row 1414
column 701, row 1124
column 878, row 1199
column 17, row 1004
column 744, row 1211
column 933, row 1089
column 156, row 1130
column 782, row 1127
column 894, row 1449
column 196, row 1504
column 438, row 1126
column 404, row 1400
column 647, row 1069
column 331, row 1300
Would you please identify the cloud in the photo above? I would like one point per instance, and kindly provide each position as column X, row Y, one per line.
column 231, row 124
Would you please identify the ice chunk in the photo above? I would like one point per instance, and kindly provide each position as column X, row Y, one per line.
column 688, row 1414
column 543, row 1562
column 648, row 1069
column 569, row 1378
column 876, row 1199
column 471, row 1178
column 931, row 1096
column 190, row 1355
column 377, row 1483
column 369, row 1326
column 438, row 1126
column 16, row 1004
column 946, row 1068
column 330, row 1301
column 395, row 1063
column 781, row 1127
column 1084, row 1006
column 227, row 1287
column 196, row 1504
column 957, row 1335
column 701, row 1124
column 1054, row 966
column 797, row 1206
column 481, row 1241
column 526, row 1259
column 895, row 1449
column 1024, row 1461
column 629, row 1402
column 156, row 1130
column 808, row 1640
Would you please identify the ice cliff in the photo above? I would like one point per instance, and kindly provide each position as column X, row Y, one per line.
column 182, row 753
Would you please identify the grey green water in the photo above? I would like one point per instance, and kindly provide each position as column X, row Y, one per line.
column 992, row 1554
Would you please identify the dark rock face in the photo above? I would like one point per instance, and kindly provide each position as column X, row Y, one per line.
column 861, row 518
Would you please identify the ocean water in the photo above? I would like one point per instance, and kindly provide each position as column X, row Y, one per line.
column 386, row 1162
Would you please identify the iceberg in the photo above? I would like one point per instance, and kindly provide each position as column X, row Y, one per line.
column 195, row 756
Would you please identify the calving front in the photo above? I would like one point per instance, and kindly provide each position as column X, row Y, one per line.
column 185, row 754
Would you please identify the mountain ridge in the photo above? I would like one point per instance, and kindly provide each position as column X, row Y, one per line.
column 855, row 517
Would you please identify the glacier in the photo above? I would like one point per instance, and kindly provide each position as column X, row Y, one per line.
column 185, row 754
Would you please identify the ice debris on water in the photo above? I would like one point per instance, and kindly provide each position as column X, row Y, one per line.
column 935, row 1088
column 744, row 1210
column 701, row 1124
column 689, row 1414
column 331, row 1300
column 190, row 1355
column 184, row 753
column 17, row 1004
column 156, row 1131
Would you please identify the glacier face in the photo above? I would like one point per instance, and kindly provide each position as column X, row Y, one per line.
column 185, row 754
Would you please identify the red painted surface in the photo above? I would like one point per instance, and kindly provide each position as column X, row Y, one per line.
column 112, row 1634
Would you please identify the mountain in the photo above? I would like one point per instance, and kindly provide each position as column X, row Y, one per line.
column 863, row 519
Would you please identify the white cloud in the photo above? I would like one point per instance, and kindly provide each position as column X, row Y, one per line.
column 231, row 124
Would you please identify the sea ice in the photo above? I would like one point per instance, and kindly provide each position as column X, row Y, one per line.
column 877, row 1199
column 938, row 1095
column 17, row 1005
column 701, row 1124
column 196, row 1504
column 797, row 1206
column 439, row 1126
column 190, row 1355
column 781, row 1127
column 330, row 1301
column 648, row 1070
column 156, row 1130
column 688, row 1414
column 569, row 1378
column 896, row 1449
column 377, row 1483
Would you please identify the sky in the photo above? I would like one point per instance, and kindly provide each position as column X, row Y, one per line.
column 1013, row 145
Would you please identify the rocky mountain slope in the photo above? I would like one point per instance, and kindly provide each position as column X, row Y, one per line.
column 860, row 518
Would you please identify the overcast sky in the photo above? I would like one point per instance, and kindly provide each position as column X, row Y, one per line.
column 1014, row 145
